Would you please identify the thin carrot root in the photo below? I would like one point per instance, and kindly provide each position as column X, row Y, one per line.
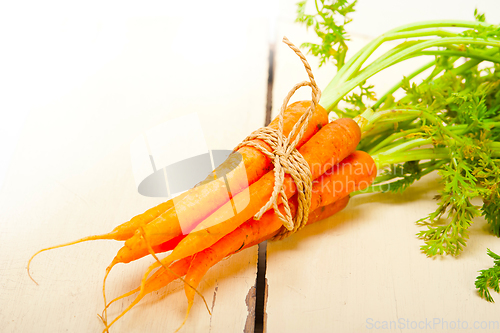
column 159, row 279
column 102, row 319
column 105, row 316
column 131, row 305
column 156, row 276
column 150, row 249
column 130, row 293
column 141, row 295
column 120, row 233
column 190, row 305
column 147, row 279
column 190, row 298
column 194, row 275
column 158, row 263
column 109, row 235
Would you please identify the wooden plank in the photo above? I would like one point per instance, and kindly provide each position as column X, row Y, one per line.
column 363, row 269
column 71, row 174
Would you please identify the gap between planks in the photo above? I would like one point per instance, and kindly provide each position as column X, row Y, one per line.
column 261, row 282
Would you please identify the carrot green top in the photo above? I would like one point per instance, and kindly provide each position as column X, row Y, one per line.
column 447, row 120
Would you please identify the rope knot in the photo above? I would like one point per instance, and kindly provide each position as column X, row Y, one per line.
column 287, row 159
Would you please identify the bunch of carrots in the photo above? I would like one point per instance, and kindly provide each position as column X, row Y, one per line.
column 210, row 230
column 213, row 220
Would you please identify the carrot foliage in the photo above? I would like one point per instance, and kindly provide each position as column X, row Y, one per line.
column 328, row 23
column 489, row 278
column 443, row 117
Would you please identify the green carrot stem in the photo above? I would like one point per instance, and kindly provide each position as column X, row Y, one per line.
column 466, row 54
column 479, row 56
column 382, row 160
column 335, row 92
column 361, row 56
column 391, row 138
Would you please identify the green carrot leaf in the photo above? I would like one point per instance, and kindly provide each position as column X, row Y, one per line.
column 329, row 24
column 489, row 278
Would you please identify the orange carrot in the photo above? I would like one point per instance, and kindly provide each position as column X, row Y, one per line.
column 203, row 201
column 355, row 172
column 323, row 212
column 325, row 149
column 168, row 245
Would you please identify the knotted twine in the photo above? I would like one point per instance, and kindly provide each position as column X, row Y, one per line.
column 287, row 159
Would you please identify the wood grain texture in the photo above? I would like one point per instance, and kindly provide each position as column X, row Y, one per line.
column 71, row 174
column 362, row 269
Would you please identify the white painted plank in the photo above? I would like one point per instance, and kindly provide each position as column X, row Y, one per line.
column 363, row 268
column 107, row 78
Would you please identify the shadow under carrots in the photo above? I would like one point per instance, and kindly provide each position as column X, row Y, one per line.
column 358, row 210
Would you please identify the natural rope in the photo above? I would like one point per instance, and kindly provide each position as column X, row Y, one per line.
column 287, row 159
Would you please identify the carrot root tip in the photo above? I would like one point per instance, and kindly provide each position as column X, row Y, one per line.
column 31, row 277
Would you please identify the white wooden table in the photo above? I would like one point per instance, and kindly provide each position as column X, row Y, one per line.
column 82, row 86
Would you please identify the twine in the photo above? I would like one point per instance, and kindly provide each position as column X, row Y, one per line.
column 287, row 159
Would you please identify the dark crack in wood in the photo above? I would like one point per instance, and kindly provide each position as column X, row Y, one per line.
column 212, row 308
column 270, row 82
column 261, row 292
